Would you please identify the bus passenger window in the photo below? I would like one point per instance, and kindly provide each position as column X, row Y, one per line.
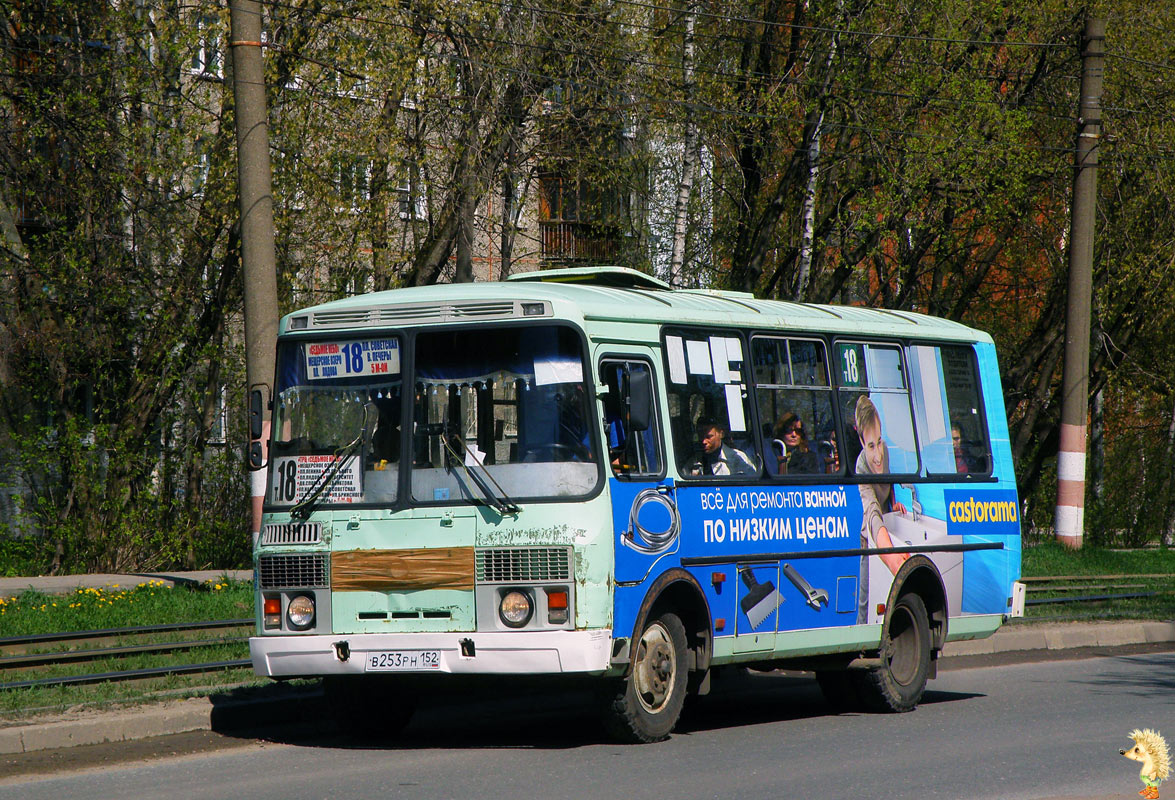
column 794, row 397
column 631, row 431
column 709, row 404
column 948, row 410
column 873, row 393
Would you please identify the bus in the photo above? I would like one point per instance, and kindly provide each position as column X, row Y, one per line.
column 586, row 472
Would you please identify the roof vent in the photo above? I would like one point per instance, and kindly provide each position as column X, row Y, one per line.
column 612, row 277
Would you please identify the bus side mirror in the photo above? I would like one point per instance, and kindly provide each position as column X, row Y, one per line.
column 256, row 456
column 640, row 400
column 257, row 409
column 256, row 413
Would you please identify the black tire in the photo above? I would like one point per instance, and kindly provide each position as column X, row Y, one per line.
column 897, row 685
column 647, row 704
column 839, row 689
column 369, row 707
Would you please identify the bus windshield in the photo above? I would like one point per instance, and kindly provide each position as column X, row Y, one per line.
column 326, row 394
column 501, row 411
column 498, row 414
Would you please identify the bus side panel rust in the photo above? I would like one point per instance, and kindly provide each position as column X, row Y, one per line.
column 402, row 570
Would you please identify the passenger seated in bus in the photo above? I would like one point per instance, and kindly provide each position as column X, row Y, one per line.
column 800, row 460
column 717, row 457
column 876, row 498
column 963, row 461
column 830, row 452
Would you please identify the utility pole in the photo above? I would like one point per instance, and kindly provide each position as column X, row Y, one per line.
column 1070, row 514
column 259, row 263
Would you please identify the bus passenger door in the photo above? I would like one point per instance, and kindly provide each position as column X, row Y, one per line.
column 644, row 505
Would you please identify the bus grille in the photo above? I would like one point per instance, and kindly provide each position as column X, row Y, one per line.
column 523, row 564
column 302, row 571
column 292, row 533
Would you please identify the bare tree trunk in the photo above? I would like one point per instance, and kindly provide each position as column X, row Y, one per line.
column 509, row 215
column 808, row 210
column 1169, row 532
column 465, row 243
column 685, row 186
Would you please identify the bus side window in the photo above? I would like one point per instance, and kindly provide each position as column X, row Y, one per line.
column 630, row 419
column 710, row 404
column 952, row 428
column 794, row 396
column 874, row 399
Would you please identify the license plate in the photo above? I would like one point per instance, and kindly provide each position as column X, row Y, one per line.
column 406, row 660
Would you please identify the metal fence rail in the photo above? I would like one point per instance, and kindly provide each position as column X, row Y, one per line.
column 77, row 646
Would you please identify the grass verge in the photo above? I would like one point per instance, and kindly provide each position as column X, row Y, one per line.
column 152, row 603
column 1147, row 571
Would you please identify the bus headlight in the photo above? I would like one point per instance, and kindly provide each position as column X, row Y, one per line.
column 300, row 612
column 515, row 609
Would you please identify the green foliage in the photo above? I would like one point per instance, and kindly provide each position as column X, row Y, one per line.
column 21, row 556
column 911, row 156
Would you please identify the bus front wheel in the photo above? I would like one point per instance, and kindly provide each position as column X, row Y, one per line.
column 646, row 706
column 898, row 683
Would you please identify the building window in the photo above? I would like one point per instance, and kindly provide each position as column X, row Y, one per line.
column 206, row 58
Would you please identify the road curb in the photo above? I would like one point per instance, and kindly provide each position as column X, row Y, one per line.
column 140, row 722
column 1064, row 636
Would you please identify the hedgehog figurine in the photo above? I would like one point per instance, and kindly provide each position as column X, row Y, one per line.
column 1150, row 748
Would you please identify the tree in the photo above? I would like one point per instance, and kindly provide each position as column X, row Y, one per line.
column 118, row 269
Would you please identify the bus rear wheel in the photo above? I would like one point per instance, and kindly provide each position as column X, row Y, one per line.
column 898, row 683
column 369, row 707
column 647, row 705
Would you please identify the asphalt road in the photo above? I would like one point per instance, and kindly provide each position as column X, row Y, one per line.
column 1032, row 730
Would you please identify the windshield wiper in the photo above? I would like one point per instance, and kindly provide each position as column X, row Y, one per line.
column 303, row 508
column 500, row 501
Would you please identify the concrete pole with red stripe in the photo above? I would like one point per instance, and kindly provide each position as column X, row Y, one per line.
column 258, row 260
column 1070, row 514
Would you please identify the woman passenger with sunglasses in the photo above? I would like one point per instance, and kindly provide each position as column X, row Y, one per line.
column 800, row 459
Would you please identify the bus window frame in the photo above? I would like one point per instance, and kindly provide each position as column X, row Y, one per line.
column 750, row 412
column 407, row 338
column 656, row 428
column 789, row 336
column 849, row 473
column 987, row 476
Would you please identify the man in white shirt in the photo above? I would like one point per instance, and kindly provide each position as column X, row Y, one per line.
column 719, row 458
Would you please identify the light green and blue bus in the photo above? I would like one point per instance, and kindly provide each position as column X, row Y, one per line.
column 587, row 472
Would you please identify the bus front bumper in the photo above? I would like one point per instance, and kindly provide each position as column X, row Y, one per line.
column 485, row 653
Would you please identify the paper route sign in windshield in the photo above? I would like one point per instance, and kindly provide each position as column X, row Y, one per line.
column 294, row 477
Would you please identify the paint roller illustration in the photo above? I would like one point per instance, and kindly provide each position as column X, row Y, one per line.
column 761, row 598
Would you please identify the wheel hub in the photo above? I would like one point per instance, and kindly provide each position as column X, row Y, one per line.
column 655, row 668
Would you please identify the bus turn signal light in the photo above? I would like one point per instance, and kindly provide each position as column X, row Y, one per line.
column 273, row 612
column 557, row 606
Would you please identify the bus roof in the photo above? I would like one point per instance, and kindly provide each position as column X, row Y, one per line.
column 610, row 294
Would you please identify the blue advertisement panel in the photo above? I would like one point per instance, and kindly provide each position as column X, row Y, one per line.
column 784, row 558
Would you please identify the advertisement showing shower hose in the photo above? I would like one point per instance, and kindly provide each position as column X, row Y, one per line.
column 797, row 558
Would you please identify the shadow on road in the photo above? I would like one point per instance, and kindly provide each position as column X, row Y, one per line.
column 527, row 714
